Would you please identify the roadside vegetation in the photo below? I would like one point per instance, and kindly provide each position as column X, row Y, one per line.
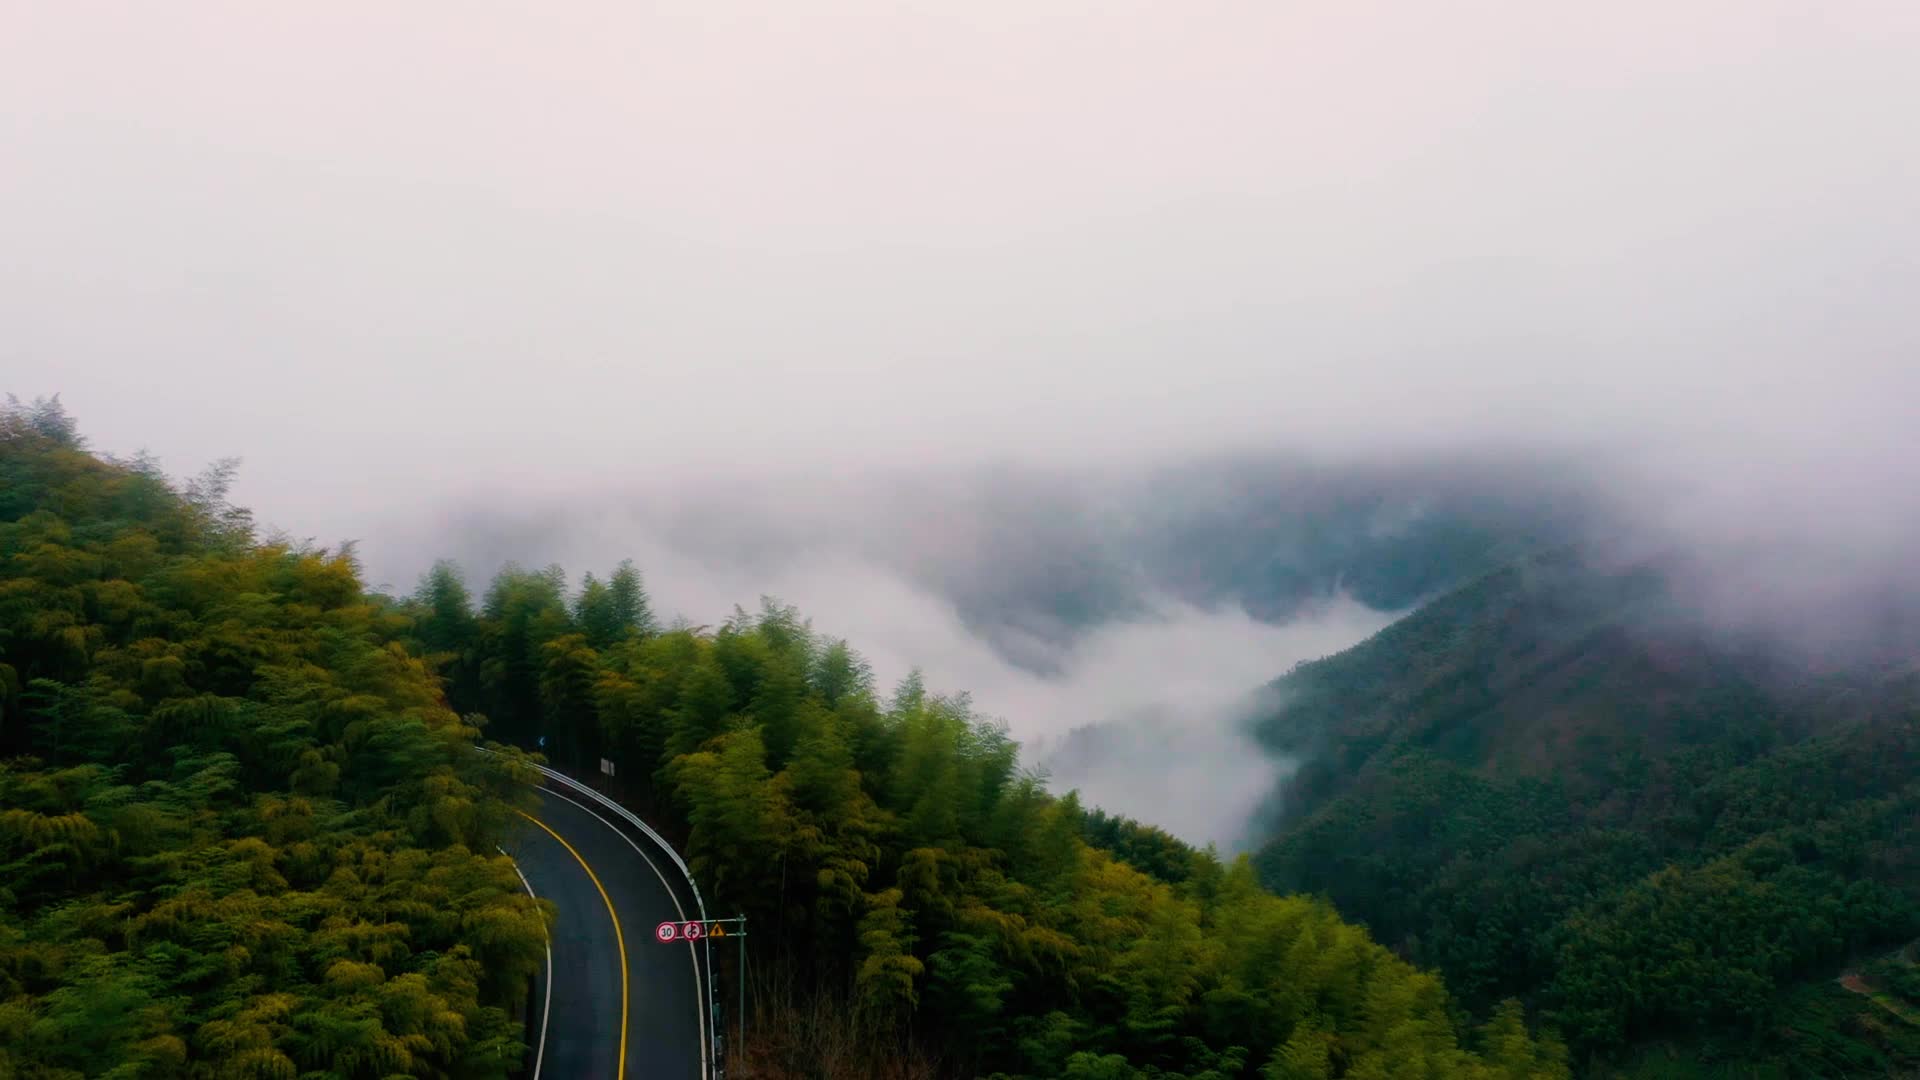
column 241, row 834
column 915, row 896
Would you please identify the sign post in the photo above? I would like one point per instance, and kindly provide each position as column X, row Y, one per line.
column 691, row 931
column 742, row 980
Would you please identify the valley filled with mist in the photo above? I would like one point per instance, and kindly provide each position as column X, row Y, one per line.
column 1121, row 625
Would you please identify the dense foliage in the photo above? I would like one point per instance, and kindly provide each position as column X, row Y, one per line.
column 240, row 833
column 892, row 853
column 1550, row 787
column 243, row 833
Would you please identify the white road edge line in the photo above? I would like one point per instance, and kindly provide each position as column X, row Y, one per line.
column 546, row 1007
column 699, row 1009
column 703, row 1025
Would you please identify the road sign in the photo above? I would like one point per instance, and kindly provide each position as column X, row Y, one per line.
column 670, row 932
column 606, row 766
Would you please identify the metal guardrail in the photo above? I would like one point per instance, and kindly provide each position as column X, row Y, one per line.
column 634, row 820
column 717, row 1067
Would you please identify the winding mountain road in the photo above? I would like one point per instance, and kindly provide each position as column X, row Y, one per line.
column 615, row 1003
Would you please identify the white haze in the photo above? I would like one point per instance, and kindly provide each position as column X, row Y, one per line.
column 409, row 260
column 380, row 249
column 1171, row 687
column 1175, row 691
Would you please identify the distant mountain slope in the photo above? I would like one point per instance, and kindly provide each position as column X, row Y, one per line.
column 1032, row 561
column 1557, row 783
column 1276, row 535
column 1052, row 558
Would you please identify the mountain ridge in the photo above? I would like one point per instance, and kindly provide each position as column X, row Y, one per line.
column 1511, row 781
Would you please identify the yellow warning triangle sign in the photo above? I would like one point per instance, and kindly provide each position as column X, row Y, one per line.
column 718, row 931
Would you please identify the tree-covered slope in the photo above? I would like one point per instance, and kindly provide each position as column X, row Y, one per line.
column 1555, row 784
column 243, row 833
column 913, row 894
column 1274, row 536
column 240, row 833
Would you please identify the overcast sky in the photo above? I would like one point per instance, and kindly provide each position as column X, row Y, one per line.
column 400, row 254
column 378, row 248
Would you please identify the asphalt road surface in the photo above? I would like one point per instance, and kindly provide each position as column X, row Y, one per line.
column 615, row 991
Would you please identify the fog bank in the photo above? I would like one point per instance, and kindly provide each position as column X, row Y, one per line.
column 802, row 299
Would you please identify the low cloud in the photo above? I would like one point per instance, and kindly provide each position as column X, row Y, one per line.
column 553, row 282
column 1172, row 695
column 1141, row 711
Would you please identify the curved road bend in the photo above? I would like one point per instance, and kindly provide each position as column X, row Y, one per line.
column 572, row 854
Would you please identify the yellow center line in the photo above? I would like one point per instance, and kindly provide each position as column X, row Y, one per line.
column 619, row 939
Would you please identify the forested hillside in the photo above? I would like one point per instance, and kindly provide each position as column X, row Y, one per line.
column 1275, row 536
column 1554, row 785
column 240, row 833
column 243, row 834
column 922, row 905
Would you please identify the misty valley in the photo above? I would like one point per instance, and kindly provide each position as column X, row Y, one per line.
column 1503, row 789
column 1034, row 540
